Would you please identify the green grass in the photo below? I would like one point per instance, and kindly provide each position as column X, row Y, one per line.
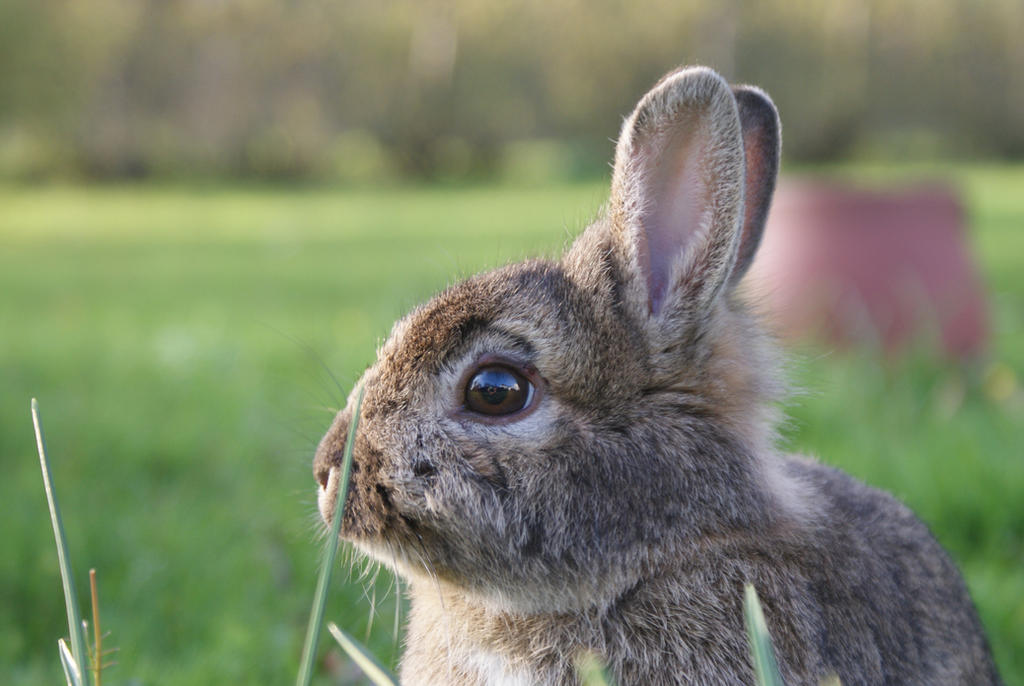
column 75, row 661
column 323, row 582
column 762, row 653
column 167, row 334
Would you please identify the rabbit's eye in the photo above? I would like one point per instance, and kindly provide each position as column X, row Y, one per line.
column 497, row 390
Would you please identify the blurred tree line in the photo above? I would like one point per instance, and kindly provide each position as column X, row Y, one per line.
column 363, row 89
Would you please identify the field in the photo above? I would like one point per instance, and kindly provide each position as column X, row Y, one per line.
column 179, row 341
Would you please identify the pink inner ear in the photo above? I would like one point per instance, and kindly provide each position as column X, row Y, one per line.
column 754, row 171
column 676, row 206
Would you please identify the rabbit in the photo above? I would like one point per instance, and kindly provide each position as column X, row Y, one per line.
column 578, row 456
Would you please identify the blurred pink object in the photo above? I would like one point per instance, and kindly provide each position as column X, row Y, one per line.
column 886, row 268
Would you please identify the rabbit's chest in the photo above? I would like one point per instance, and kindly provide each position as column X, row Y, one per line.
column 494, row 670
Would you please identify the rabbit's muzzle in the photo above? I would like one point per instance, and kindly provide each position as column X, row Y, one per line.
column 370, row 511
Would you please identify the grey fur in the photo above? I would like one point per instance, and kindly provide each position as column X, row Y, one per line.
column 624, row 513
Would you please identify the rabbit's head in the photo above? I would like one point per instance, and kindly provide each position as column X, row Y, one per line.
column 543, row 435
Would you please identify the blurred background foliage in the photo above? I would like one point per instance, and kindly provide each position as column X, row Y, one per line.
column 360, row 90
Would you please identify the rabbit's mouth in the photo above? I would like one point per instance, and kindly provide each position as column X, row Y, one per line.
column 371, row 515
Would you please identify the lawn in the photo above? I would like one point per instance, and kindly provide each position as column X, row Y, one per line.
column 188, row 346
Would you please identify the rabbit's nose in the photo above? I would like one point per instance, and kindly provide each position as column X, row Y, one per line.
column 324, row 461
column 322, row 473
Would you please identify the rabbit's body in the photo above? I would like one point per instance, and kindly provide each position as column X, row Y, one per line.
column 579, row 455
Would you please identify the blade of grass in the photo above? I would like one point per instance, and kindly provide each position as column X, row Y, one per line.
column 765, row 667
column 97, row 643
column 71, row 670
column 316, row 616
column 591, row 671
column 78, row 645
column 362, row 657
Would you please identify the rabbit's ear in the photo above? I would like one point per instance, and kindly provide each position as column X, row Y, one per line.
column 677, row 191
column 761, row 145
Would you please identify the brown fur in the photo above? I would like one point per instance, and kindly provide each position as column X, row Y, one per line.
column 626, row 510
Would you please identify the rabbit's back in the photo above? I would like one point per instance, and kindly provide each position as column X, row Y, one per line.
column 882, row 601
